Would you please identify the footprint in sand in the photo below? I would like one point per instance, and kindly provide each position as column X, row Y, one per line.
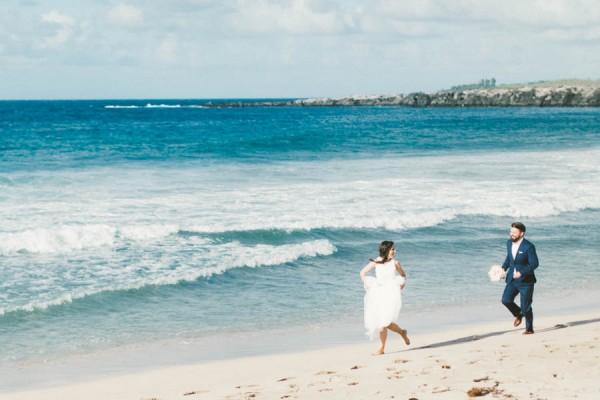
column 440, row 389
column 320, row 383
column 325, row 372
column 395, row 373
column 394, row 376
column 551, row 348
column 245, row 386
column 285, row 379
column 193, row 392
column 246, row 396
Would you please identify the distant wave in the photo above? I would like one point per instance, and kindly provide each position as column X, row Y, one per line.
column 420, row 193
column 68, row 238
column 217, row 260
column 357, row 219
column 63, row 299
column 150, row 105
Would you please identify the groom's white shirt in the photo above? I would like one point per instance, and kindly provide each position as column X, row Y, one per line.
column 515, row 248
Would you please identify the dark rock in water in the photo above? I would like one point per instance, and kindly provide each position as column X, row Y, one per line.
column 524, row 96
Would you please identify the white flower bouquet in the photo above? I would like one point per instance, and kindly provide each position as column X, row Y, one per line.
column 496, row 273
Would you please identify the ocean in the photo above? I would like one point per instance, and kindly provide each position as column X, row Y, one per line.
column 171, row 232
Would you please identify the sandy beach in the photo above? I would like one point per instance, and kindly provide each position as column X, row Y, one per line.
column 561, row 361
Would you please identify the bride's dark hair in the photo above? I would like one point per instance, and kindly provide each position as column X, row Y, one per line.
column 384, row 251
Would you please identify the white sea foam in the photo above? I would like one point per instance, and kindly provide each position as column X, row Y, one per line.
column 66, row 283
column 403, row 193
column 68, row 238
column 147, row 232
column 82, row 223
column 413, row 193
column 149, row 105
column 57, row 239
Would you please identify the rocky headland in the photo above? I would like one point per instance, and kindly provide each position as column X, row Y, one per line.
column 569, row 93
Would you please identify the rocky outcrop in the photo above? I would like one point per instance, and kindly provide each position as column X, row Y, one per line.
column 561, row 96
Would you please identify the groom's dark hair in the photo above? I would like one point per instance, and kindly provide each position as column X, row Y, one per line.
column 519, row 226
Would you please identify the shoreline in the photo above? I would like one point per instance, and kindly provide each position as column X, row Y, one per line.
column 559, row 361
column 551, row 94
column 146, row 358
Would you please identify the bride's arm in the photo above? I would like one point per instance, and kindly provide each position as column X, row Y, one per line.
column 363, row 272
column 400, row 271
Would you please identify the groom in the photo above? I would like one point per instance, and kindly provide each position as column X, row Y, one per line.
column 521, row 261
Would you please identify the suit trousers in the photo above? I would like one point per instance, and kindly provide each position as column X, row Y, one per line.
column 525, row 290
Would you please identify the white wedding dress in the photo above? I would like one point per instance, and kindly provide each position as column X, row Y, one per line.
column 383, row 299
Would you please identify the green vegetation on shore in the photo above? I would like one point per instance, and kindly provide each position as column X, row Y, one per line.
column 483, row 84
column 492, row 84
column 556, row 83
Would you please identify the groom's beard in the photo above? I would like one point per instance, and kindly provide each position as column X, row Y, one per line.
column 514, row 238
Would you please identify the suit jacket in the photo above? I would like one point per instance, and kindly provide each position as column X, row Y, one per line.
column 525, row 262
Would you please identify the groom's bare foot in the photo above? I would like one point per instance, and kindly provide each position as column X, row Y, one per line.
column 403, row 333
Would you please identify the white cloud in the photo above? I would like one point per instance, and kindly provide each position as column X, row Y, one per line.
column 126, row 15
column 299, row 47
column 513, row 15
column 63, row 33
column 293, row 17
column 54, row 17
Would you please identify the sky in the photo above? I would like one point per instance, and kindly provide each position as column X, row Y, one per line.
column 113, row 49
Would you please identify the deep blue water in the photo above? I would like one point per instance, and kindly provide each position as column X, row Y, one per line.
column 126, row 226
column 62, row 134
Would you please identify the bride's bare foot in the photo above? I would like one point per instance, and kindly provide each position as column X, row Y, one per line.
column 379, row 352
column 403, row 333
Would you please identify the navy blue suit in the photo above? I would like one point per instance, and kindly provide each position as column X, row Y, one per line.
column 525, row 262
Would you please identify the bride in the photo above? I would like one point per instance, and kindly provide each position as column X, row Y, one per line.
column 383, row 298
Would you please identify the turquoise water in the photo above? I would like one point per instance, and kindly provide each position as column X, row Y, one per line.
column 128, row 223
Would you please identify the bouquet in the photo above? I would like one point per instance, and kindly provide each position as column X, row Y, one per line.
column 496, row 273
